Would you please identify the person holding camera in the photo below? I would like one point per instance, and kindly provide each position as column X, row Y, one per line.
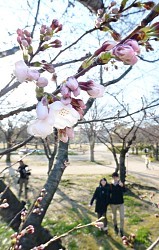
column 24, row 178
column 117, row 202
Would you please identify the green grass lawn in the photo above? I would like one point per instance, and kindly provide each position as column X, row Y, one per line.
column 70, row 208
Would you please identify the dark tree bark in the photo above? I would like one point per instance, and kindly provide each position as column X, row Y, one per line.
column 12, row 214
column 29, row 241
column 92, row 144
column 122, row 165
column 48, row 152
column 157, row 151
column 92, row 5
column 15, row 206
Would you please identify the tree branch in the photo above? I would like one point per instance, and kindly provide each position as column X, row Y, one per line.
column 36, row 16
column 17, row 111
column 17, row 146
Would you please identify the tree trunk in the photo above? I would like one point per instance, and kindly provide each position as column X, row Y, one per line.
column 31, row 240
column 117, row 168
column 156, row 151
column 92, row 153
column 50, row 164
column 12, row 216
column 92, row 145
column 15, row 206
column 8, row 155
column 137, row 150
column 122, row 166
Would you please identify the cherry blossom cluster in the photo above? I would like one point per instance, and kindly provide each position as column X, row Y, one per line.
column 129, row 241
column 46, row 33
column 24, row 73
column 23, row 215
column 37, row 209
column 63, row 109
column 61, row 112
column 104, row 15
column 127, row 52
column 113, row 13
column 24, row 38
column 15, row 238
column 4, row 203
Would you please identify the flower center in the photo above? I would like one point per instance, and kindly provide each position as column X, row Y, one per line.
column 63, row 112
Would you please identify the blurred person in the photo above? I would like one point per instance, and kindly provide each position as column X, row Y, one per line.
column 147, row 161
column 102, row 197
column 117, row 189
column 24, row 178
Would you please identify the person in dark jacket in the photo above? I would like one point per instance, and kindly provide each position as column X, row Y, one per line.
column 24, row 177
column 102, row 197
column 117, row 202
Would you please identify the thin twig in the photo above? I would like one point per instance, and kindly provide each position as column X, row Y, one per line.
column 154, row 244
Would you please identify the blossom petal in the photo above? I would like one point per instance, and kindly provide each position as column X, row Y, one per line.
column 40, row 128
column 21, row 71
column 41, row 111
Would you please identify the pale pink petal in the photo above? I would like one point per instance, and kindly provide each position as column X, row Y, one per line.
column 97, row 90
column 64, row 90
column 42, row 82
column 72, row 83
column 131, row 61
column 33, row 75
column 40, row 128
column 70, row 132
column 65, row 115
column 21, row 71
column 76, row 92
column 66, row 101
column 41, row 111
column 134, row 44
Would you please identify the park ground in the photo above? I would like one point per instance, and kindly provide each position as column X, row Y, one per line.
column 70, row 205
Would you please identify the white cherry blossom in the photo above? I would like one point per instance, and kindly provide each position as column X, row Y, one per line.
column 65, row 115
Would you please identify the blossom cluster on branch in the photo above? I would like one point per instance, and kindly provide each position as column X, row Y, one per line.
column 62, row 109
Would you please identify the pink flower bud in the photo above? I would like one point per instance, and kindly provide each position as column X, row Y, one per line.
column 71, row 83
column 47, row 38
column 24, row 43
column 48, row 31
column 125, row 53
column 42, row 30
column 99, row 224
column 30, row 229
column 65, row 90
column 27, row 33
column 19, row 39
column 42, row 82
column 115, row 11
column 76, row 92
column 100, row 11
column 19, row 32
column 125, row 242
column 113, row 3
column 39, row 199
column 55, row 24
column 14, row 235
column 133, row 44
column 49, row 67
